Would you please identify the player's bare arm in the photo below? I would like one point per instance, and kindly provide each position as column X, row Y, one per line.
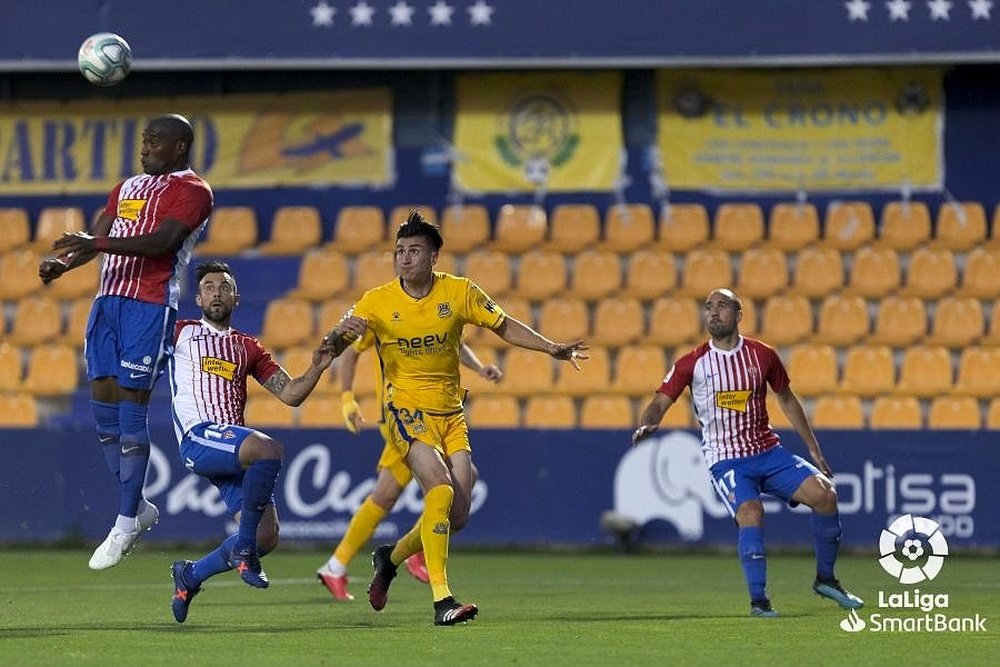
column 346, row 332
column 651, row 417
column 792, row 407
column 53, row 267
column 293, row 391
column 167, row 237
column 468, row 358
column 520, row 334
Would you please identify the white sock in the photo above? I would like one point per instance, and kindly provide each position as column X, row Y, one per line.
column 335, row 567
column 126, row 524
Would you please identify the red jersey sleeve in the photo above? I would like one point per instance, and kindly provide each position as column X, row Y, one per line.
column 190, row 204
column 777, row 376
column 261, row 364
column 111, row 207
column 678, row 377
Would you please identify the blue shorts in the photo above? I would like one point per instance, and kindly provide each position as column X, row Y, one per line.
column 776, row 472
column 129, row 340
column 213, row 451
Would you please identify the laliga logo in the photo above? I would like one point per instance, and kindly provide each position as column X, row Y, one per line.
column 912, row 549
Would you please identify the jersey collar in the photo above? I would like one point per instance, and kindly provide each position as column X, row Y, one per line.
column 739, row 345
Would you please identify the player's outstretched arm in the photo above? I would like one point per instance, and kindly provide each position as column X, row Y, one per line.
column 167, row 237
column 52, row 268
column 293, row 391
column 790, row 404
column 520, row 334
column 651, row 417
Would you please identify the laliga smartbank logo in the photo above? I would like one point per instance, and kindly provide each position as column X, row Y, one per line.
column 912, row 550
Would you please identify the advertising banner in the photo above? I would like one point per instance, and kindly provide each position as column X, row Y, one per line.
column 785, row 130
column 552, row 129
column 241, row 141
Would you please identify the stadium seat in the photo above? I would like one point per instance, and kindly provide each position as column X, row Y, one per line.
column 358, row 228
column 18, row 410
column 368, row 375
column 628, row 227
column 818, row 272
column 875, row 272
column 331, row 311
column 960, row 226
column 564, row 319
column 896, row 412
column 465, row 227
column 399, row 214
column 53, row 370
column 683, row 227
column 19, row 274
column 596, row 274
column 673, row 321
column 993, row 415
column 14, row 229
column 36, row 320
column 793, row 226
column 76, row 322
column 958, row 321
column 981, row 275
column 573, row 228
column 786, row 320
column 680, row 415
column 540, row 274
column 296, row 360
column 83, row 281
column 267, row 411
column 230, row 231
column 955, row 412
column 372, row 268
column 519, row 228
column 737, row 227
column 593, row 377
column 776, row 417
column 813, row 369
column 494, row 412
column 287, row 322
column 705, row 270
column 53, row 222
column 748, row 323
column 526, row 372
column 639, row 370
column 869, row 370
column 931, row 273
column 294, row 230
column 849, row 225
column 322, row 274
column 617, row 321
column 650, row 274
column 607, row 411
column 978, row 372
column 900, row 321
column 843, row 412
column 324, row 411
column 447, row 262
column 925, row 371
column 475, row 382
column 843, row 320
column 491, row 270
column 905, row 225
column 11, row 367
column 550, row 412
column 763, row 272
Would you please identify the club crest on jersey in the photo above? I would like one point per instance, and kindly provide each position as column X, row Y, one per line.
column 220, row 367
column 444, row 310
column 733, row 400
column 395, row 316
column 129, row 209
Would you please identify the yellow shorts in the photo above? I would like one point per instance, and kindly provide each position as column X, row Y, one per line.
column 392, row 461
column 446, row 433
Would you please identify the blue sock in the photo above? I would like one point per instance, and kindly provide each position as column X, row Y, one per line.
column 134, row 455
column 108, row 432
column 826, row 538
column 753, row 560
column 213, row 563
column 258, row 485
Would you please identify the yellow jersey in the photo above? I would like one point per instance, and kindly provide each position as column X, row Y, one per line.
column 418, row 340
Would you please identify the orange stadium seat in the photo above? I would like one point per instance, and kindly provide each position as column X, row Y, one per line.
column 14, row 229
column 494, row 412
column 842, row 320
column 372, row 268
column 849, row 225
column 491, row 270
column 540, row 274
column 594, row 376
column 786, row 320
column 76, row 322
column 596, row 274
column 53, row 370
column 958, row 321
column 447, row 262
column 82, row 281
column 838, row 412
column 673, row 321
column 269, row 411
column 748, row 323
column 813, row 369
column 955, row 412
column 737, row 227
column 639, row 370
column 869, row 370
column 322, row 411
column 993, row 415
column 55, row 221
column 18, row 410
column 330, row 313
column 763, row 272
column 399, row 214
column 618, row 321
column 550, row 412
column 705, row 270
column 358, row 228
column 564, row 319
column 465, row 227
column 294, row 230
column 896, row 412
column 978, row 372
column 287, row 322
column 11, row 367
column 519, row 228
column 628, row 227
column 818, row 272
column 574, row 227
column 875, row 272
column 19, row 274
column 526, row 372
column 775, row 415
column 475, row 382
column 322, row 273
column 793, row 226
column 650, row 274
column 683, row 227
column 231, row 230
column 932, row 272
column 900, row 321
column 680, row 414
column 36, row 320
column 925, row 371
column 905, row 225
column 368, row 374
column 960, row 226
column 607, row 411
column 981, row 275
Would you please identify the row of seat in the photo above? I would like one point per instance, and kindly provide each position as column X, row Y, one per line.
column 847, row 225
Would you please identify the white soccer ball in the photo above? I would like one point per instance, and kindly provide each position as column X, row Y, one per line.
column 104, row 59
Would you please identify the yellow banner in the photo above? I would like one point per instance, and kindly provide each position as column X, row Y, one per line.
column 519, row 131
column 869, row 129
column 241, row 141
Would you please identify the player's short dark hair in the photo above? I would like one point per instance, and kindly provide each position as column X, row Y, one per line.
column 416, row 225
column 214, row 266
column 174, row 125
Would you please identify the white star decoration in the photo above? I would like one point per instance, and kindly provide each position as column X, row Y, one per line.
column 980, row 9
column 440, row 13
column 480, row 13
column 857, row 10
column 322, row 14
column 402, row 13
column 939, row 9
column 361, row 13
column 899, row 10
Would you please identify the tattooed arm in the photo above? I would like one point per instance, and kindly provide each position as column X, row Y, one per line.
column 292, row 391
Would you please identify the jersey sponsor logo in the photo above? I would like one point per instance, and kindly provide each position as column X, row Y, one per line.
column 733, row 400
column 429, row 344
column 444, row 310
column 129, row 209
column 220, row 367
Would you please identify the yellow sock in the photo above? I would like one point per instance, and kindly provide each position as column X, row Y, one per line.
column 435, row 530
column 408, row 544
column 359, row 531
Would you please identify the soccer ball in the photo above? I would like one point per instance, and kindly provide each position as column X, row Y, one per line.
column 104, row 59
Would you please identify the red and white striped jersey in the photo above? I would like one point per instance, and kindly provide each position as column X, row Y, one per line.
column 728, row 391
column 139, row 205
column 208, row 374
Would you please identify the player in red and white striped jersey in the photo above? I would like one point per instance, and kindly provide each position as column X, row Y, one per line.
column 728, row 377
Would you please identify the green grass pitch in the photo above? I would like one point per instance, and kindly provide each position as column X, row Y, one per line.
column 535, row 609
